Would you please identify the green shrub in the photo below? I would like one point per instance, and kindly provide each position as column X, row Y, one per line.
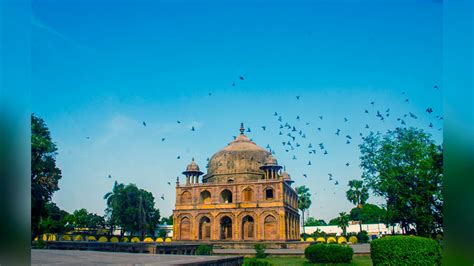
column 405, row 250
column 40, row 244
column 363, row 237
column 204, row 250
column 328, row 253
column 256, row 262
column 260, row 250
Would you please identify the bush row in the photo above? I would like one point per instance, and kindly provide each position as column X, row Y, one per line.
column 132, row 239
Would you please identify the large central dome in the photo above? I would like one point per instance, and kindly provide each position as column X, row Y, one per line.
column 239, row 161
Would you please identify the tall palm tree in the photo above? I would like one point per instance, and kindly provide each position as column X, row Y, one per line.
column 357, row 195
column 343, row 221
column 112, row 200
column 304, row 200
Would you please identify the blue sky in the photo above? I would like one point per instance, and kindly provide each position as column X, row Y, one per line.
column 100, row 69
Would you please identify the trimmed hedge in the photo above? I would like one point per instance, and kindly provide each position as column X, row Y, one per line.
column 204, row 250
column 328, row 253
column 405, row 250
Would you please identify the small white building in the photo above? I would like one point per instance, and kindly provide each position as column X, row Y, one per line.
column 372, row 229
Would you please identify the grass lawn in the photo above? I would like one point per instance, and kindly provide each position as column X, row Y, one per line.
column 292, row 261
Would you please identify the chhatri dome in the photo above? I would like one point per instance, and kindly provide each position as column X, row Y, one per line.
column 241, row 160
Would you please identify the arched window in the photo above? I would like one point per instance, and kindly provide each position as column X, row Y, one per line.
column 205, row 197
column 226, row 228
column 185, row 228
column 270, row 228
column 186, row 197
column 226, row 196
column 205, row 228
column 247, row 195
column 269, row 194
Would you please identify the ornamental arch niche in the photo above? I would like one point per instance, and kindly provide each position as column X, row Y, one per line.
column 248, row 228
column 185, row 228
column 186, row 197
column 247, row 195
column 270, row 227
column 205, row 228
column 205, row 197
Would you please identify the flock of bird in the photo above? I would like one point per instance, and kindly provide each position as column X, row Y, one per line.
column 295, row 138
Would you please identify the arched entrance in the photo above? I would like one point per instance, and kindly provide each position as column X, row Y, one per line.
column 226, row 228
column 248, row 226
column 185, row 229
column 270, row 228
column 205, row 228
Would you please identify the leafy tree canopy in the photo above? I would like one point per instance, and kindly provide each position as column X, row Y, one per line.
column 405, row 166
column 132, row 209
column 368, row 214
column 44, row 173
column 311, row 221
column 55, row 220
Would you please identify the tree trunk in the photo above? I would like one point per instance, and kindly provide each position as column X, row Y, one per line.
column 360, row 226
column 304, row 232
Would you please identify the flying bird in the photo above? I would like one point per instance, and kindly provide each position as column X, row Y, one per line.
column 144, row 123
column 336, row 183
column 320, row 117
column 109, row 176
column 192, row 128
column 337, row 132
column 345, row 119
column 162, row 197
column 294, row 157
column 169, row 183
column 305, row 176
column 162, row 139
column 347, row 164
column 241, row 78
column 88, row 137
column 297, row 97
column 309, row 163
column 275, row 114
column 366, row 111
column 429, row 110
column 264, row 127
column 179, row 157
column 248, row 130
column 233, row 84
column 179, row 122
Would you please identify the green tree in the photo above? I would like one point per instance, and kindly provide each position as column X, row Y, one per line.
column 311, row 221
column 343, row 221
column 44, row 173
column 304, row 201
column 357, row 194
column 405, row 166
column 368, row 214
column 83, row 219
column 56, row 220
column 167, row 220
column 132, row 209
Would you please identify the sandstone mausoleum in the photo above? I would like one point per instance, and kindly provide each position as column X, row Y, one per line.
column 244, row 195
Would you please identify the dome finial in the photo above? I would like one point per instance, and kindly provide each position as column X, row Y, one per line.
column 242, row 129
